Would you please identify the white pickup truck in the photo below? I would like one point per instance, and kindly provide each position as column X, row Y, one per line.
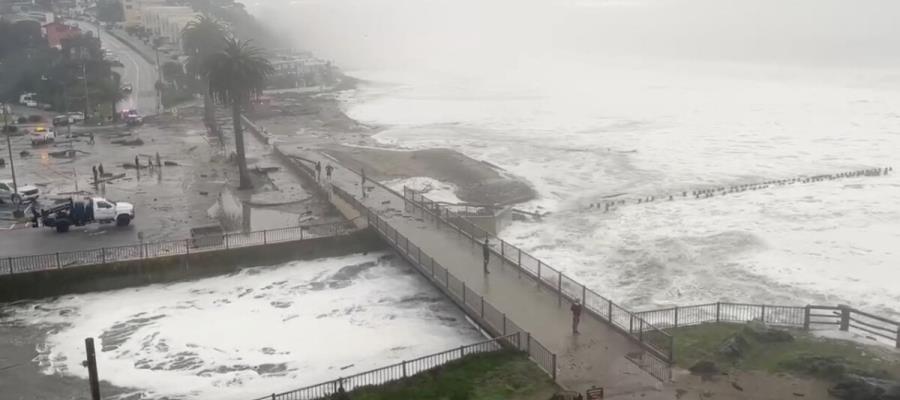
column 83, row 212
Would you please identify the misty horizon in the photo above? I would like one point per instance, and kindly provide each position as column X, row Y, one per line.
column 463, row 36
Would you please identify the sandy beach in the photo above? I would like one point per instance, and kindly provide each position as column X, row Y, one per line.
column 304, row 122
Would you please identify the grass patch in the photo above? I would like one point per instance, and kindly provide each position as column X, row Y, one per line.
column 488, row 376
column 805, row 355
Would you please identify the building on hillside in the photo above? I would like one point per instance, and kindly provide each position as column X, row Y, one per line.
column 134, row 10
column 174, row 27
column 167, row 21
column 293, row 70
column 56, row 32
column 41, row 17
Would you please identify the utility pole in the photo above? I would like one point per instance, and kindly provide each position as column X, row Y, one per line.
column 158, row 80
column 12, row 164
column 86, row 98
column 66, row 111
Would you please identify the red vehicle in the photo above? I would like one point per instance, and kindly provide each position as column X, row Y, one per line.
column 132, row 118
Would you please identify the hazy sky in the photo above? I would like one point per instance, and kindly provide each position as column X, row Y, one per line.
column 485, row 33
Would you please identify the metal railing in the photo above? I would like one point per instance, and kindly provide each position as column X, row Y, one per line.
column 476, row 306
column 811, row 317
column 397, row 371
column 647, row 334
column 204, row 243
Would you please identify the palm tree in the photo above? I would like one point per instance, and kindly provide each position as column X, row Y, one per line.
column 201, row 38
column 237, row 73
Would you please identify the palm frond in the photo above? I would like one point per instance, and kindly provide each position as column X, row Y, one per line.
column 238, row 72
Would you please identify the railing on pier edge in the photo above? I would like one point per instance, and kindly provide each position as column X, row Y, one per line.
column 811, row 317
column 653, row 339
column 482, row 310
column 401, row 370
column 656, row 360
column 224, row 241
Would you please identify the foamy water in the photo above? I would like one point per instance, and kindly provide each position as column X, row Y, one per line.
column 251, row 333
column 652, row 129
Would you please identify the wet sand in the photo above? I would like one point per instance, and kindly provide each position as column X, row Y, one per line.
column 301, row 122
column 477, row 182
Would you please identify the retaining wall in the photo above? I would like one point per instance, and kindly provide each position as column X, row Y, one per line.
column 117, row 275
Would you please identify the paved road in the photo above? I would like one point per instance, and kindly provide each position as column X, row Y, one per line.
column 595, row 357
column 136, row 71
column 168, row 201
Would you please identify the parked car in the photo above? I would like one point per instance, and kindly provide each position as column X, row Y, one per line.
column 76, row 116
column 62, row 120
column 132, row 118
column 41, row 135
column 28, row 193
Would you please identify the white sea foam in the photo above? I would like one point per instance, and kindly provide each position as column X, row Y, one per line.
column 258, row 331
column 648, row 130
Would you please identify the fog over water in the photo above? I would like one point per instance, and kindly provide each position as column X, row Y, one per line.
column 589, row 99
column 584, row 99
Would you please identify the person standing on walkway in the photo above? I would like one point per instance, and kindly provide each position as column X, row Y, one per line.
column 328, row 169
column 318, row 171
column 486, row 252
column 95, row 175
column 362, row 173
column 576, row 315
column 100, row 169
column 91, row 138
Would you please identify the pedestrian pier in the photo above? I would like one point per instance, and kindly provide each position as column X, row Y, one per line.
column 615, row 349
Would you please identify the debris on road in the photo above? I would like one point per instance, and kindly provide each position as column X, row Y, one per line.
column 129, row 142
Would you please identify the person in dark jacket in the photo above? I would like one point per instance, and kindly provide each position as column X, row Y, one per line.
column 486, row 250
column 362, row 173
column 576, row 315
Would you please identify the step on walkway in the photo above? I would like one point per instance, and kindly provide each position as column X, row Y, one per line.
column 595, row 357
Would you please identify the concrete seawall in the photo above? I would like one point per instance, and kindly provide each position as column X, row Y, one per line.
column 123, row 274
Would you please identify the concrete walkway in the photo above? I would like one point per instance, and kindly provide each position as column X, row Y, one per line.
column 595, row 357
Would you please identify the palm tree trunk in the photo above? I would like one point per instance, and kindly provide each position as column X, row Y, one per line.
column 239, row 144
column 208, row 115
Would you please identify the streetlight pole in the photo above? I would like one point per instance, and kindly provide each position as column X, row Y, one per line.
column 86, row 98
column 66, row 111
column 158, row 81
column 12, row 164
